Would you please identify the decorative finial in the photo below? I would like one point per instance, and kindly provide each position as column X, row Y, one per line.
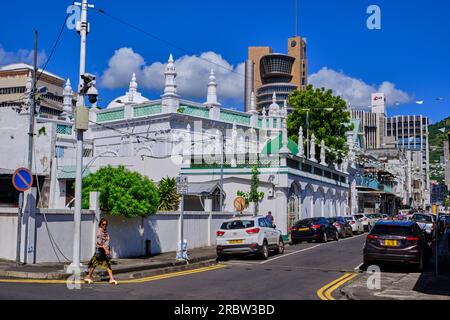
column 301, row 149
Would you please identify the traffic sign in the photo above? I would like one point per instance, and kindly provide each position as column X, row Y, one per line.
column 182, row 185
column 22, row 179
column 239, row 204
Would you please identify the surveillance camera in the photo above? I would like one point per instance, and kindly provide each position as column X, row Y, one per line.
column 92, row 93
column 88, row 77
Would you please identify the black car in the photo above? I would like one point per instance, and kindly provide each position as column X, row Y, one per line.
column 343, row 226
column 398, row 242
column 318, row 229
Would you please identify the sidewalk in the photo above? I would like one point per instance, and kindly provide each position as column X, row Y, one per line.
column 158, row 264
column 398, row 284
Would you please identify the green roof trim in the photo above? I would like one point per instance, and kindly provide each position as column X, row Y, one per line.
column 274, row 146
column 143, row 111
column 111, row 115
column 195, row 111
column 234, row 117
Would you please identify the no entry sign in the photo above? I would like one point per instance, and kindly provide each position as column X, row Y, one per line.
column 22, row 179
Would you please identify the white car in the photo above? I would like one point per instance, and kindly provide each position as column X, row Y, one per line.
column 248, row 235
column 368, row 220
column 357, row 226
column 426, row 223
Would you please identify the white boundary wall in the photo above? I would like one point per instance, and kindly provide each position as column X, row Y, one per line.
column 128, row 235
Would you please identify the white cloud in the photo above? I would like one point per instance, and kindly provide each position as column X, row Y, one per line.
column 22, row 55
column 192, row 79
column 356, row 91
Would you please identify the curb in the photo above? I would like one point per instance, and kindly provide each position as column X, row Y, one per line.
column 61, row 275
column 348, row 293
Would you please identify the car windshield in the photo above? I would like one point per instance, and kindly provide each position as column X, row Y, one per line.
column 422, row 217
column 358, row 216
column 332, row 220
column 348, row 218
column 307, row 222
column 391, row 230
column 237, row 224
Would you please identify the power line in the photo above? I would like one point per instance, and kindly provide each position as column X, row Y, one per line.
column 54, row 46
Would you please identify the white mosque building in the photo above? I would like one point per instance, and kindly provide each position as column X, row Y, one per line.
column 172, row 136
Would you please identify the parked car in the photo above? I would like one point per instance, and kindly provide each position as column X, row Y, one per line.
column 386, row 216
column 313, row 229
column 248, row 235
column 356, row 224
column 398, row 242
column 426, row 222
column 343, row 226
column 367, row 220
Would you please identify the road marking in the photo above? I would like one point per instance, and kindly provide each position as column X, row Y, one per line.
column 286, row 255
column 142, row 280
column 302, row 250
column 325, row 292
column 357, row 268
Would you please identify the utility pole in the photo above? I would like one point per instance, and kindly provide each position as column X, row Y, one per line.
column 221, row 171
column 32, row 106
column 82, row 28
column 32, row 109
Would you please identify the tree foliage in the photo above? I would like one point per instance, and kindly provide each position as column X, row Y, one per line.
column 330, row 126
column 169, row 199
column 253, row 196
column 122, row 192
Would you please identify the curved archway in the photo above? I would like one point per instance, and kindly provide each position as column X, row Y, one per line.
column 329, row 203
column 294, row 203
column 307, row 207
column 319, row 196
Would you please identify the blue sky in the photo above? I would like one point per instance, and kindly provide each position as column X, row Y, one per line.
column 409, row 56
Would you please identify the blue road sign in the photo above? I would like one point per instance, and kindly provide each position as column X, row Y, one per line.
column 22, row 179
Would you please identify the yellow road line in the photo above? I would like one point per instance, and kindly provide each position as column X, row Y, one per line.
column 325, row 292
column 142, row 280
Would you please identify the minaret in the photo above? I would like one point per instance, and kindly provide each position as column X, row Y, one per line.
column 312, row 151
column 274, row 110
column 67, row 113
column 284, row 137
column 322, row 153
column 253, row 112
column 264, row 118
column 133, row 89
column 170, row 98
column 301, row 149
column 211, row 100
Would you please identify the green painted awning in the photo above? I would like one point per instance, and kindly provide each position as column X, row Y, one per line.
column 68, row 173
column 274, row 146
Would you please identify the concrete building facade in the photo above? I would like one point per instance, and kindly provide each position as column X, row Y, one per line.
column 268, row 72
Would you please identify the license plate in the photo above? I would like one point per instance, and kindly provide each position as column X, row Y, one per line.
column 390, row 243
column 235, row 241
column 303, row 229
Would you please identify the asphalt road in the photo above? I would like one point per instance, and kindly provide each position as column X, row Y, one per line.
column 295, row 275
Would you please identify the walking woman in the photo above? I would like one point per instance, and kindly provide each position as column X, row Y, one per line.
column 102, row 256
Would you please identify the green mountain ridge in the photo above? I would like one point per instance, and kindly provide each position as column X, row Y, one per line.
column 436, row 139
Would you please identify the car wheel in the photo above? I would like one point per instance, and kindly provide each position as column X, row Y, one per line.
column 264, row 251
column 324, row 237
column 336, row 238
column 280, row 248
column 351, row 233
column 295, row 241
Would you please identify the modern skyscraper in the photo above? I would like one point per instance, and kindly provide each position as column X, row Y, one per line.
column 267, row 72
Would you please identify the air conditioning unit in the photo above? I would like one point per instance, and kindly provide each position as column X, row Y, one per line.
column 270, row 192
